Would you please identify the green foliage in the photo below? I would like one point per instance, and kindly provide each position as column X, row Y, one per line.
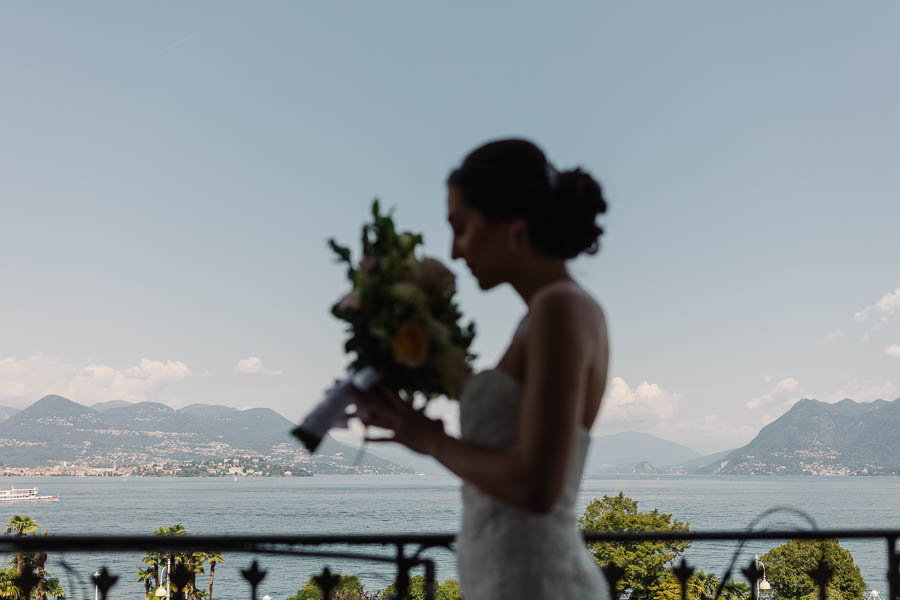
column 8, row 589
column 701, row 586
column 645, row 563
column 53, row 589
column 830, row 594
column 735, row 590
column 788, row 566
column 669, row 588
column 347, row 588
column 449, row 590
column 47, row 586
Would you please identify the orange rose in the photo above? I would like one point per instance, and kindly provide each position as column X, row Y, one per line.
column 410, row 344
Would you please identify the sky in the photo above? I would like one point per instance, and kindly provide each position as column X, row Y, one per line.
column 170, row 172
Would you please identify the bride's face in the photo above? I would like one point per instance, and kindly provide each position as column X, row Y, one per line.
column 482, row 243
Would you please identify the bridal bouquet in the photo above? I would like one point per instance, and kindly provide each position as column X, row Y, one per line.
column 403, row 325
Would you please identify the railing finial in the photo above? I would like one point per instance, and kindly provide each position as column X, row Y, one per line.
column 327, row 581
column 104, row 580
column 614, row 574
column 254, row 575
column 683, row 572
column 822, row 575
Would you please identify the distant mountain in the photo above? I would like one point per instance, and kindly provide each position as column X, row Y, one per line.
column 55, row 429
column 626, row 453
column 103, row 406
column 6, row 412
column 703, row 461
column 620, row 454
column 818, row 438
column 402, row 455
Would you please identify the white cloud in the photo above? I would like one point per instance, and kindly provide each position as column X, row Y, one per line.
column 832, row 336
column 785, row 393
column 893, row 350
column 883, row 311
column 29, row 379
column 252, row 365
column 887, row 305
column 646, row 403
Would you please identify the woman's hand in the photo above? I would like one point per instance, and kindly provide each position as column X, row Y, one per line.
column 382, row 407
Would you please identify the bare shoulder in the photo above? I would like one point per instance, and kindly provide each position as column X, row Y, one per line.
column 567, row 301
column 565, row 315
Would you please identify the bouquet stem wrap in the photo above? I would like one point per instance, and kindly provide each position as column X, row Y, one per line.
column 331, row 410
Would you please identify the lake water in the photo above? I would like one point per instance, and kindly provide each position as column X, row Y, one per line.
column 410, row 504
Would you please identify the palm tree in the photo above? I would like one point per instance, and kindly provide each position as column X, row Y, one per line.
column 21, row 525
column 213, row 558
column 40, row 559
column 153, row 560
column 191, row 559
column 707, row 583
column 736, row 590
column 146, row 575
column 177, row 530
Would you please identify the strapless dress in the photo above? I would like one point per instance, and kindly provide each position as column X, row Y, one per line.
column 505, row 552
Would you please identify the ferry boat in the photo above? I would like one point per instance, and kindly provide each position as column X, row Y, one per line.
column 23, row 495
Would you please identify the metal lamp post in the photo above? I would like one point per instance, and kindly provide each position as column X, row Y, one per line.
column 760, row 584
column 96, row 587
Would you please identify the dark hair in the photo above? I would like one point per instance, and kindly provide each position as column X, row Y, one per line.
column 509, row 179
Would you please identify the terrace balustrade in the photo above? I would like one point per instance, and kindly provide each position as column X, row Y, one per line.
column 410, row 553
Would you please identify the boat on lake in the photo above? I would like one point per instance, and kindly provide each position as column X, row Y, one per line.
column 23, row 495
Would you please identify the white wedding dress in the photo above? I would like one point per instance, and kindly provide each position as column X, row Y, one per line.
column 505, row 552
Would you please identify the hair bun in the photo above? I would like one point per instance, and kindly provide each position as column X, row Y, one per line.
column 569, row 225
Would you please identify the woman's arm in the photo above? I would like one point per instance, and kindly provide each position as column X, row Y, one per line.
column 560, row 345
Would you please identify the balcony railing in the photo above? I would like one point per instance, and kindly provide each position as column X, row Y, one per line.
column 409, row 553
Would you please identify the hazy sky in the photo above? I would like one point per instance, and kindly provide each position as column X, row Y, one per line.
column 169, row 173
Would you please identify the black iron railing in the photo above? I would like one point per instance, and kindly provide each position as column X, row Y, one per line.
column 409, row 552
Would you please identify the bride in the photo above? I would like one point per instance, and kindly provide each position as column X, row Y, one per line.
column 525, row 424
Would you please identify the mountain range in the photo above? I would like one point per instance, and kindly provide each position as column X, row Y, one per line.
column 813, row 437
column 817, row 438
column 55, row 429
column 607, row 455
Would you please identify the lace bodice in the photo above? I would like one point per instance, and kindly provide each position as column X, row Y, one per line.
column 505, row 551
